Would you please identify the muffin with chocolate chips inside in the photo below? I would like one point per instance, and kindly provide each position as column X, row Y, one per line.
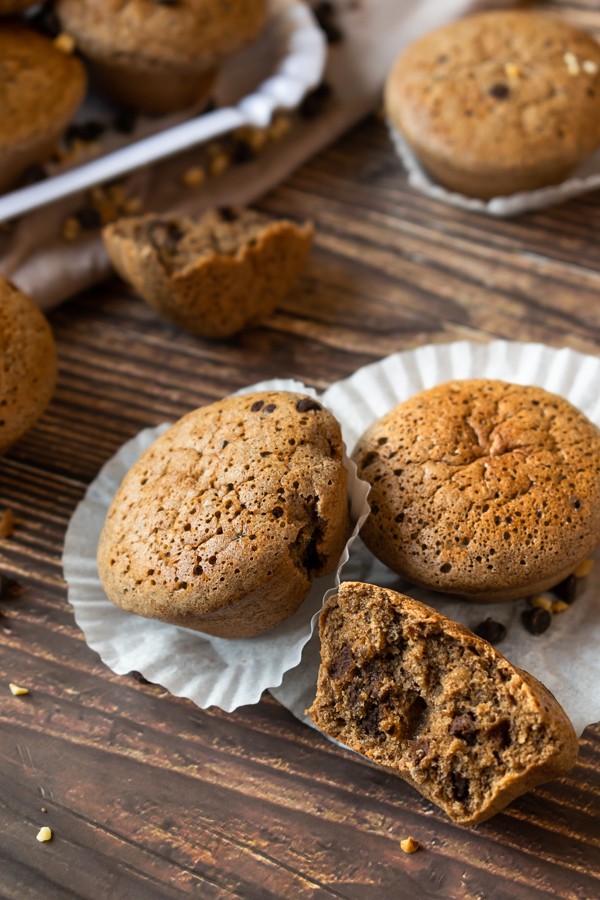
column 499, row 102
column 158, row 56
column 482, row 488
column 224, row 522
column 419, row 694
column 214, row 276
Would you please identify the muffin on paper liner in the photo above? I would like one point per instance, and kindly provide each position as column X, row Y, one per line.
column 564, row 657
column 208, row 670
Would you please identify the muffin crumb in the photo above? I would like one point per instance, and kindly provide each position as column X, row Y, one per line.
column 409, row 845
column 44, row 834
column 17, row 690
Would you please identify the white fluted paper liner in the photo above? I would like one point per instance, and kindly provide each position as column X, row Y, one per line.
column 566, row 658
column 208, row 670
column 584, row 179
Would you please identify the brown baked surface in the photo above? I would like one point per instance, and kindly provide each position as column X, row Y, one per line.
column 482, row 488
column 27, row 364
column 424, row 697
column 214, row 276
column 225, row 520
column 193, row 34
column 492, row 106
column 40, row 88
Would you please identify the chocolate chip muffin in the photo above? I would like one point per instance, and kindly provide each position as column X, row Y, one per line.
column 211, row 277
column 419, row 694
column 482, row 488
column 224, row 522
column 40, row 89
column 156, row 56
column 498, row 102
column 27, row 364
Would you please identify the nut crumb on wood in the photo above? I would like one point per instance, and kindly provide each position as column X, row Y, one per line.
column 18, row 691
column 7, row 523
column 44, row 834
column 584, row 568
column 409, row 845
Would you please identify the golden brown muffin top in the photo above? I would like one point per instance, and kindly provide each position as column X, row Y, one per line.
column 481, row 485
column 38, row 84
column 185, row 32
column 498, row 89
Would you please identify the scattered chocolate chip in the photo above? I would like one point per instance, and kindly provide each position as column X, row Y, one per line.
column 124, row 121
column 269, row 408
column 139, row 677
column 89, row 218
column 567, row 589
column 370, row 721
column 277, row 511
column 460, row 787
column 315, row 100
column 33, row 174
column 536, row 620
column 342, row 663
column 491, row 631
column 306, row 404
column 258, row 405
column 242, row 152
column 228, row 214
column 499, row 91
column 463, row 727
column 46, row 22
column 84, row 131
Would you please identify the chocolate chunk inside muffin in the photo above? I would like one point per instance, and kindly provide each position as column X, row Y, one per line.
column 482, row 488
column 419, row 694
column 224, row 522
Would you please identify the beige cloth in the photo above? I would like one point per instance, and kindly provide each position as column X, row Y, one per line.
column 36, row 257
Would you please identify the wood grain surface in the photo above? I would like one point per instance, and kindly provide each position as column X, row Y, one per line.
column 151, row 797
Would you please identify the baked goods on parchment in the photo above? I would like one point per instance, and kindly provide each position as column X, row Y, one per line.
column 213, row 276
column 419, row 694
column 482, row 488
column 224, row 522
column 498, row 102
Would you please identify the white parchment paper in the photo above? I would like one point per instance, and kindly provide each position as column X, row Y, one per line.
column 208, row 670
column 567, row 657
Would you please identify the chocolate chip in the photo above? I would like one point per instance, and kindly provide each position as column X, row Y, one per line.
column 33, row 174
column 84, row 131
column 460, row 787
column 499, row 91
column 370, row 721
column 89, row 218
column 463, row 727
column 342, row 663
column 567, row 589
column 277, row 511
column 306, row 404
column 536, row 620
column 315, row 100
column 491, row 631
column 139, row 677
column 242, row 152
column 269, row 407
column 228, row 214
column 257, row 405
column 124, row 121
column 46, row 22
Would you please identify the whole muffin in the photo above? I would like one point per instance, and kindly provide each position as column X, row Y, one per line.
column 27, row 364
column 421, row 695
column 40, row 89
column 214, row 276
column 159, row 57
column 482, row 488
column 499, row 102
column 223, row 523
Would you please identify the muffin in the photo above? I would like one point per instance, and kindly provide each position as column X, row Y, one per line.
column 419, row 694
column 224, row 522
column 40, row 89
column 160, row 57
column 482, row 488
column 498, row 102
column 211, row 277
column 27, row 364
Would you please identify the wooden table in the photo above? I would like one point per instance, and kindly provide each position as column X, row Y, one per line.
column 149, row 796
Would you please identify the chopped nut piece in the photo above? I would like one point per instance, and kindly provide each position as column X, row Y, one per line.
column 279, row 128
column 589, row 67
column 542, row 601
column 491, row 631
column 44, row 834
column 7, row 523
column 71, row 229
column 512, row 70
column 572, row 63
column 194, row 177
column 18, row 691
column 409, row 845
column 65, row 43
column 584, row 568
column 559, row 607
column 219, row 164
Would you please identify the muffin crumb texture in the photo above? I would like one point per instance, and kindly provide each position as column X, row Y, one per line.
column 482, row 488
column 223, row 524
column 419, row 694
